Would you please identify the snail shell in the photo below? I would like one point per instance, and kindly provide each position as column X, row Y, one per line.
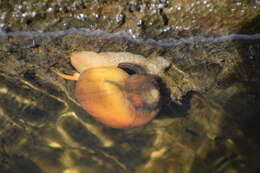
column 117, row 99
column 110, row 94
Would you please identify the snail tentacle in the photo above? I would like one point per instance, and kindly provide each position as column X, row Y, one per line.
column 75, row 76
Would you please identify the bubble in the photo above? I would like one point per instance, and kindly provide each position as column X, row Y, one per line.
column 50, row 10
column 140, row 22
column 96, row 16
column 3, row 16
column 80, row 16
column 2, row 25
column 238, row 3
column 120, row 18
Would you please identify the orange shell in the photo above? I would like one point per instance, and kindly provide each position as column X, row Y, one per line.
column 100, row 92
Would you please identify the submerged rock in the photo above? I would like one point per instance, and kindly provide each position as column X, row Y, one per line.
column 210, row 87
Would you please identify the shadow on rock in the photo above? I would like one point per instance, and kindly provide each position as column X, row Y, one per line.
column 244, row 84
column 171, row 108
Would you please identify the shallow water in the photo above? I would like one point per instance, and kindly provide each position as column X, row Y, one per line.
column 210, row 96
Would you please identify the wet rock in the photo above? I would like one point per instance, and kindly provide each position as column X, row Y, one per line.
column 159, row 19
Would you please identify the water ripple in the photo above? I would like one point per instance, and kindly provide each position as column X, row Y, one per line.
column 130, row 37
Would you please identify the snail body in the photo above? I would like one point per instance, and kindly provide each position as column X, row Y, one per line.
column 111, row 95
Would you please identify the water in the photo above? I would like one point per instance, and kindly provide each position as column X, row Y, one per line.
column 210, row 94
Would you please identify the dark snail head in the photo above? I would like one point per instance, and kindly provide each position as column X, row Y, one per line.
column 142, row 89
column 143, row 92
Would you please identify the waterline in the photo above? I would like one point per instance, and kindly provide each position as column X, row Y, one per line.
column 130, row 37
